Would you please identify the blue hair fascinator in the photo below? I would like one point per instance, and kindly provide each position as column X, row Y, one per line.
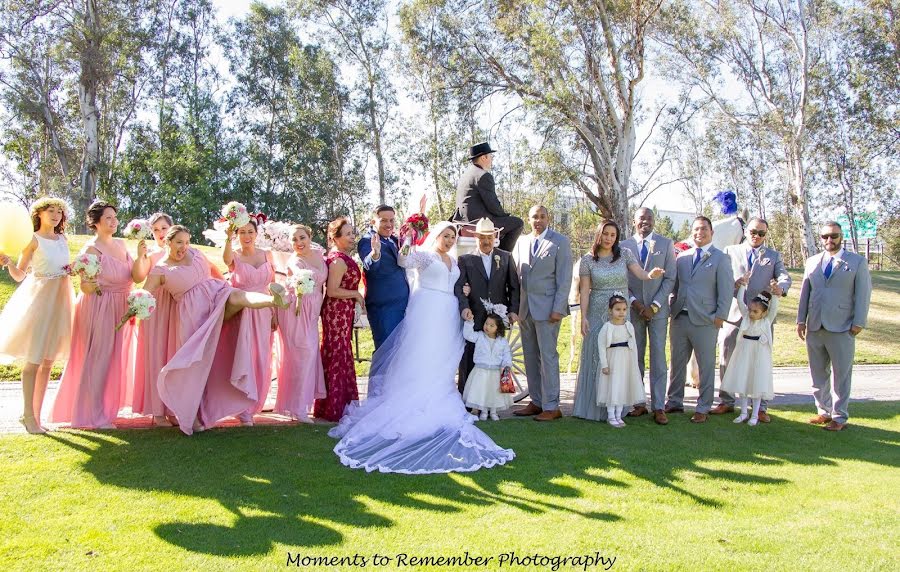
column 727, row 201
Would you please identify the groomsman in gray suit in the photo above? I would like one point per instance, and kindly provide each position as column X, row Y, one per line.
column 544, row 261
column 758, row 268
column 834, row 305
column 704, row 287
column 650, row 306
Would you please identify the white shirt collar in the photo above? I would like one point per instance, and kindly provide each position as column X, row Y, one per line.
column 838, row 255
column 541, row 236
column 703, row 250
column 481, row 254
column 639, row 239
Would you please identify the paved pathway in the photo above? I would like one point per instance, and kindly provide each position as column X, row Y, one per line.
column 870, row 383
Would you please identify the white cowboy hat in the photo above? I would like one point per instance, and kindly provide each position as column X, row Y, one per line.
column 486, row 226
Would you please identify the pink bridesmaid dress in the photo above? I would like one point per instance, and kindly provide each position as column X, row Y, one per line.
column 255, row 323
column 156, row 344
column 205, row 380
column 99, row 373
column 301, row 378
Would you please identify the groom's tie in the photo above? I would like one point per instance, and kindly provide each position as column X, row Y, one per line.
column 643, row 253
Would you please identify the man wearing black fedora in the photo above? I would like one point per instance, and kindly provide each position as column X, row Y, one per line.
column 476, row 198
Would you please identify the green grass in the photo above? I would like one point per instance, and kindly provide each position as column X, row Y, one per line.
column 683, row 497
column 878, row 344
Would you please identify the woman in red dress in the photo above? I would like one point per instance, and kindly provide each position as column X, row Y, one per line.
column 341, row 297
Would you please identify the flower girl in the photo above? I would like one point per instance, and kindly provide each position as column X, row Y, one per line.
column 750, row 369
column 492, row 354
column 36, row 323
column 619, row 381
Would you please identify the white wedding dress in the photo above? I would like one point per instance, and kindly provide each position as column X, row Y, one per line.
column 413, row 420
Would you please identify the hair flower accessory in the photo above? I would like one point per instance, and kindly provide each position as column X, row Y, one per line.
column 499, row 309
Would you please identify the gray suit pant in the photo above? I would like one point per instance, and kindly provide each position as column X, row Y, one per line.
column 539, row 339
column 829, row 350
column 684, row 338
column 656, row 330
column 728, row 336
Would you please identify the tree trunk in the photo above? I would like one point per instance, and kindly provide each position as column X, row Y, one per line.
column 798, row 194
column 376, row 141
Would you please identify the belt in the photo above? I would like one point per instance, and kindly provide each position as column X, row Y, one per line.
column 754, row 338
column 50, row 276
column 619, row 345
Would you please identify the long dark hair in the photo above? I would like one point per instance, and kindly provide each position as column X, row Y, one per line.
column 616, row 251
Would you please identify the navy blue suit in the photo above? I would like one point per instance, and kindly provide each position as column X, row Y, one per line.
column 387, row 290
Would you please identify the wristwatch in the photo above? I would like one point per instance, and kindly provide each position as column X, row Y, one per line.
column 654, row 308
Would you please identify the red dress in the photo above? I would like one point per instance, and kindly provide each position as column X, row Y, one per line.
column 337, row 353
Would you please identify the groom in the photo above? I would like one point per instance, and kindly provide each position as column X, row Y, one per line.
column 387, row 291
column 491, row 275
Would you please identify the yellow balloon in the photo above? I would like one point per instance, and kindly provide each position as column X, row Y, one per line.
column 15, row 229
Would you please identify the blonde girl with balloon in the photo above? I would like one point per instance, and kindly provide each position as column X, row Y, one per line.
column 36, row 323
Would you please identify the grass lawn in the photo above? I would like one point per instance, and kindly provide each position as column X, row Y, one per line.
column 878, row 344
column 781, row 496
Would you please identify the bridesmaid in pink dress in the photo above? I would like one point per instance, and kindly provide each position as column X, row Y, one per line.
column 206, row 380
column 252, row 270
column 94, row 384
column 301, row 378
column 341, row 295
column 156, row 336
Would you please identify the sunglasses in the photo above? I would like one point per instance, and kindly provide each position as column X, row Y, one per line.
column 832, row 236
column 757, row 232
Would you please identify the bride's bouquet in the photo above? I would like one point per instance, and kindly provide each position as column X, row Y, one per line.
column 413, row 231
column 141, row 305
column 86, row 267
column 137, row 229
column 302, row 282
column 236, row 215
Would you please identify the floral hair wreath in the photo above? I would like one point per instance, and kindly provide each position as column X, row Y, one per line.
column 617, row 294
column 499, row 309
column 47, row 202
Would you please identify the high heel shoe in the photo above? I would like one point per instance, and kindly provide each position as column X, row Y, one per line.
column 31, row 425
column 279, row 295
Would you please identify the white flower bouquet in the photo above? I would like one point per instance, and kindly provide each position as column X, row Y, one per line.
column 86, row 267
column 301, row 283
column 137, row 229
column 235, row 214
column 141, row 305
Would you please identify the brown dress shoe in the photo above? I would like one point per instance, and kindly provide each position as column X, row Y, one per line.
column 820, row 419
column 699, row 418
column 764, row 417
column 835, row 426
column 674, row 410
column 637, row 411
column 549, row 415
column 721, row 409
column 660, row 418
column 530, row 409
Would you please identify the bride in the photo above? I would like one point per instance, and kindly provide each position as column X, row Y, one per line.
column 414, row 420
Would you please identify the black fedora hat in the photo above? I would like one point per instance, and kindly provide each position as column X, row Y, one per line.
column 480, row 149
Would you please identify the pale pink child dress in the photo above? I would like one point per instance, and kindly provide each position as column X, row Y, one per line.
column 156, row 344
column 36, row 322
column 99, row 372
column 259, row 325
column 301, row 378
column 204, row 379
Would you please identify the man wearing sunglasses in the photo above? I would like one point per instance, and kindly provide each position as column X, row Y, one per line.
column 834, row 305
column 759, row 268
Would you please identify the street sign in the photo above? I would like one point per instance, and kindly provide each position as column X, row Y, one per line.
column 866, row 226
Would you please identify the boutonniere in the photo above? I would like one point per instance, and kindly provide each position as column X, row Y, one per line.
column 706, row 256
column 651, row 244
column 497, row 261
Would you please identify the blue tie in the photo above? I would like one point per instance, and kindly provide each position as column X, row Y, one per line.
column 827, row 270
column 750, row 261
column 643, row 253
column 534, row 247
column 697, row 258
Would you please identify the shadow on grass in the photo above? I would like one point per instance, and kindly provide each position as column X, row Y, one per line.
column 285, row 485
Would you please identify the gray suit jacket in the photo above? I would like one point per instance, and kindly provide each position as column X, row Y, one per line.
column 768, row 266
column 660, row 253
column 544, row 280
column 840, row 301
column 705, row 291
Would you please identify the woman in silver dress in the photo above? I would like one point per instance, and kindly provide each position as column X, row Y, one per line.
column 601, row 273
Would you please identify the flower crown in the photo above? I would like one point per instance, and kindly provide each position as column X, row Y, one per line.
column 47, row 202
column 499, row 309
column 617, row 294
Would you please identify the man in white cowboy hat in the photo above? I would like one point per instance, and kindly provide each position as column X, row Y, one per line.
column 476, row 197
column 491, row 275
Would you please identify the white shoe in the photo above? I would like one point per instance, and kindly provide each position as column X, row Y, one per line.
column 483, row 416
column 620, row 423
column 740, row 419
column 246, row 419
column 494, row 416
column 753, row 421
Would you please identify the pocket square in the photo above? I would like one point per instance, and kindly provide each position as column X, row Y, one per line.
column 707, row 265
column 765, row 262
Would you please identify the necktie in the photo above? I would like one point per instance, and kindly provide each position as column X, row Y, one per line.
column 750, row 260
column 697, row 258
column 643, row 253
column 534, row 246
column 828, row 268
